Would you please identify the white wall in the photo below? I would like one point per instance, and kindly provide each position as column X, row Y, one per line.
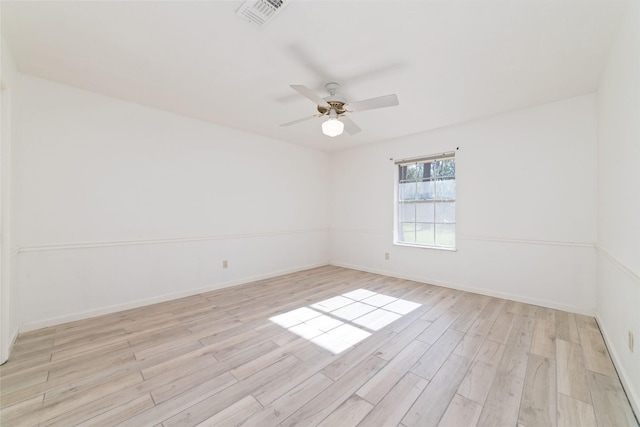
column 120, row 205
column 8, row 137
column 526, row 207
column 618, row 285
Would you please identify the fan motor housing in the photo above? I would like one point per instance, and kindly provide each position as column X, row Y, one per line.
column 335, row 105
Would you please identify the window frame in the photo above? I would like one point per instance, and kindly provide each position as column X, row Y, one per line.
column 397, row 202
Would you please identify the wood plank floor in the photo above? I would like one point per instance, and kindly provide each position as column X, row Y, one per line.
column 326, row 347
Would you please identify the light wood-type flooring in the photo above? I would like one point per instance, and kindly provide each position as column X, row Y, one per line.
column 329, row 347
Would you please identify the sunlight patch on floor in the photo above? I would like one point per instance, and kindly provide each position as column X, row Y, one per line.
column 338, row 323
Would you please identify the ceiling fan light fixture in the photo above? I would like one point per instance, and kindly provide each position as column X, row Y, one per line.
column 336, row 108
column 332, row 127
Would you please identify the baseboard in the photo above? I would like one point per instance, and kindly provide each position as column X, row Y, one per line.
column 534, row 301
column 5, row 357
column 155, row 300
column 14, row 337
column 632, row 394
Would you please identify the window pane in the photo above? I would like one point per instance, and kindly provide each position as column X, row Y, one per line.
column 446, row 235
column 407, row 232
column 407, row 191
column 425, row 190
column 407, row 212
column 446, row 212
column 411, row 172
column 424, row 234
column 424, row 212
column 444, row 168
column 445, row 188
column 402, row 170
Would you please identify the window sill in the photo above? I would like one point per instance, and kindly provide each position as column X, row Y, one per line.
column 439, row 248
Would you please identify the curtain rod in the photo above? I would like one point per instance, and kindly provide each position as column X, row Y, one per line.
column 426, row 158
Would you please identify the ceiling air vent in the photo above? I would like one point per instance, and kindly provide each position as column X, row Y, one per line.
column 260, row 12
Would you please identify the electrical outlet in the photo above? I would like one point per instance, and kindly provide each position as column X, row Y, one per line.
column 631, row 341
column 225, row 264
column 386, row 255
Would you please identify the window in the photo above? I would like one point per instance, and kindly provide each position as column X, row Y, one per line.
column 426, row 202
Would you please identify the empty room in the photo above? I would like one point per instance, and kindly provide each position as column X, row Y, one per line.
column 320, row 213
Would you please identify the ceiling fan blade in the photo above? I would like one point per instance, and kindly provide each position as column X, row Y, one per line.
column 349, row 125
column 304, row 119
column 370, row 104
column 308, row 93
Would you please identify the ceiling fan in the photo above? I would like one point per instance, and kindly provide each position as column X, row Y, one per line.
column 335, row 108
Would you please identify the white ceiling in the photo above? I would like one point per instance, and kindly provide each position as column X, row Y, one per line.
column 448, row 61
